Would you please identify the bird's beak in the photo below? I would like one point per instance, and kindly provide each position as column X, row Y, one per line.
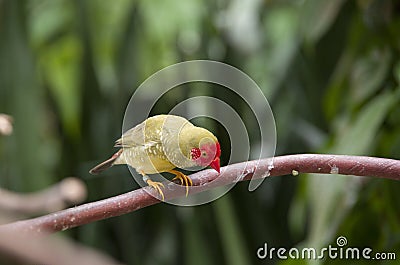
column 215, row 164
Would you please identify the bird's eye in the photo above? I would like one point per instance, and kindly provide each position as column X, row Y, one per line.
column 204, row 154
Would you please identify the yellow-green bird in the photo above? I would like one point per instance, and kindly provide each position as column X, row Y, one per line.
column 162, row 143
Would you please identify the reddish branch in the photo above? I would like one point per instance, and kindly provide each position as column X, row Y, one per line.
column 207, row 179
column 68, row 192
column 6, row 127
column 49, row 250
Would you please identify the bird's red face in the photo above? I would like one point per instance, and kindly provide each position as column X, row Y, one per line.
column 207, row 155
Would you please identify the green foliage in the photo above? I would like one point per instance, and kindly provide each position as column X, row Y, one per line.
column 330, row 69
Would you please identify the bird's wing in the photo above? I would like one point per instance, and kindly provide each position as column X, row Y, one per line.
column 133, row 137
column 145, row 134
column 155, row 130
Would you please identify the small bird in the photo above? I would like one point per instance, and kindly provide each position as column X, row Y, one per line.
column 162, row 143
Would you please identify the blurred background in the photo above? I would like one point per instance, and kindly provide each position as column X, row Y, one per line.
column 330, row 70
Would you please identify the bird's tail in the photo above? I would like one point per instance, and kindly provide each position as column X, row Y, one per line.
column 106, row 164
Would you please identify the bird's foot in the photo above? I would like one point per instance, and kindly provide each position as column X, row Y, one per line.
column 157, row 186
column 184, row 180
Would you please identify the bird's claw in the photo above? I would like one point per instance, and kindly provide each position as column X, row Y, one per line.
column 184, row 180
column 157, row 186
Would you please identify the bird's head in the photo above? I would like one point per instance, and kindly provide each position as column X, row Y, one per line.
column 204, row 148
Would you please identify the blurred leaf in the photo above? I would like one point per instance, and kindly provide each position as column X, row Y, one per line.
column 281, row 45
column 358, row 137
column 396, row 72
column 232, row 241
column 196, row 243
column 317, row 17
column 108, row 21
column 172, row 16
column 298, row 211
column 61, row 62
column 48, row 19
column 334, row 102
column 368, row 74
column 163, row 23
column 377, row 13
column 161, row 253
column 331, row 196
column 27, row 168
column 239, row 21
